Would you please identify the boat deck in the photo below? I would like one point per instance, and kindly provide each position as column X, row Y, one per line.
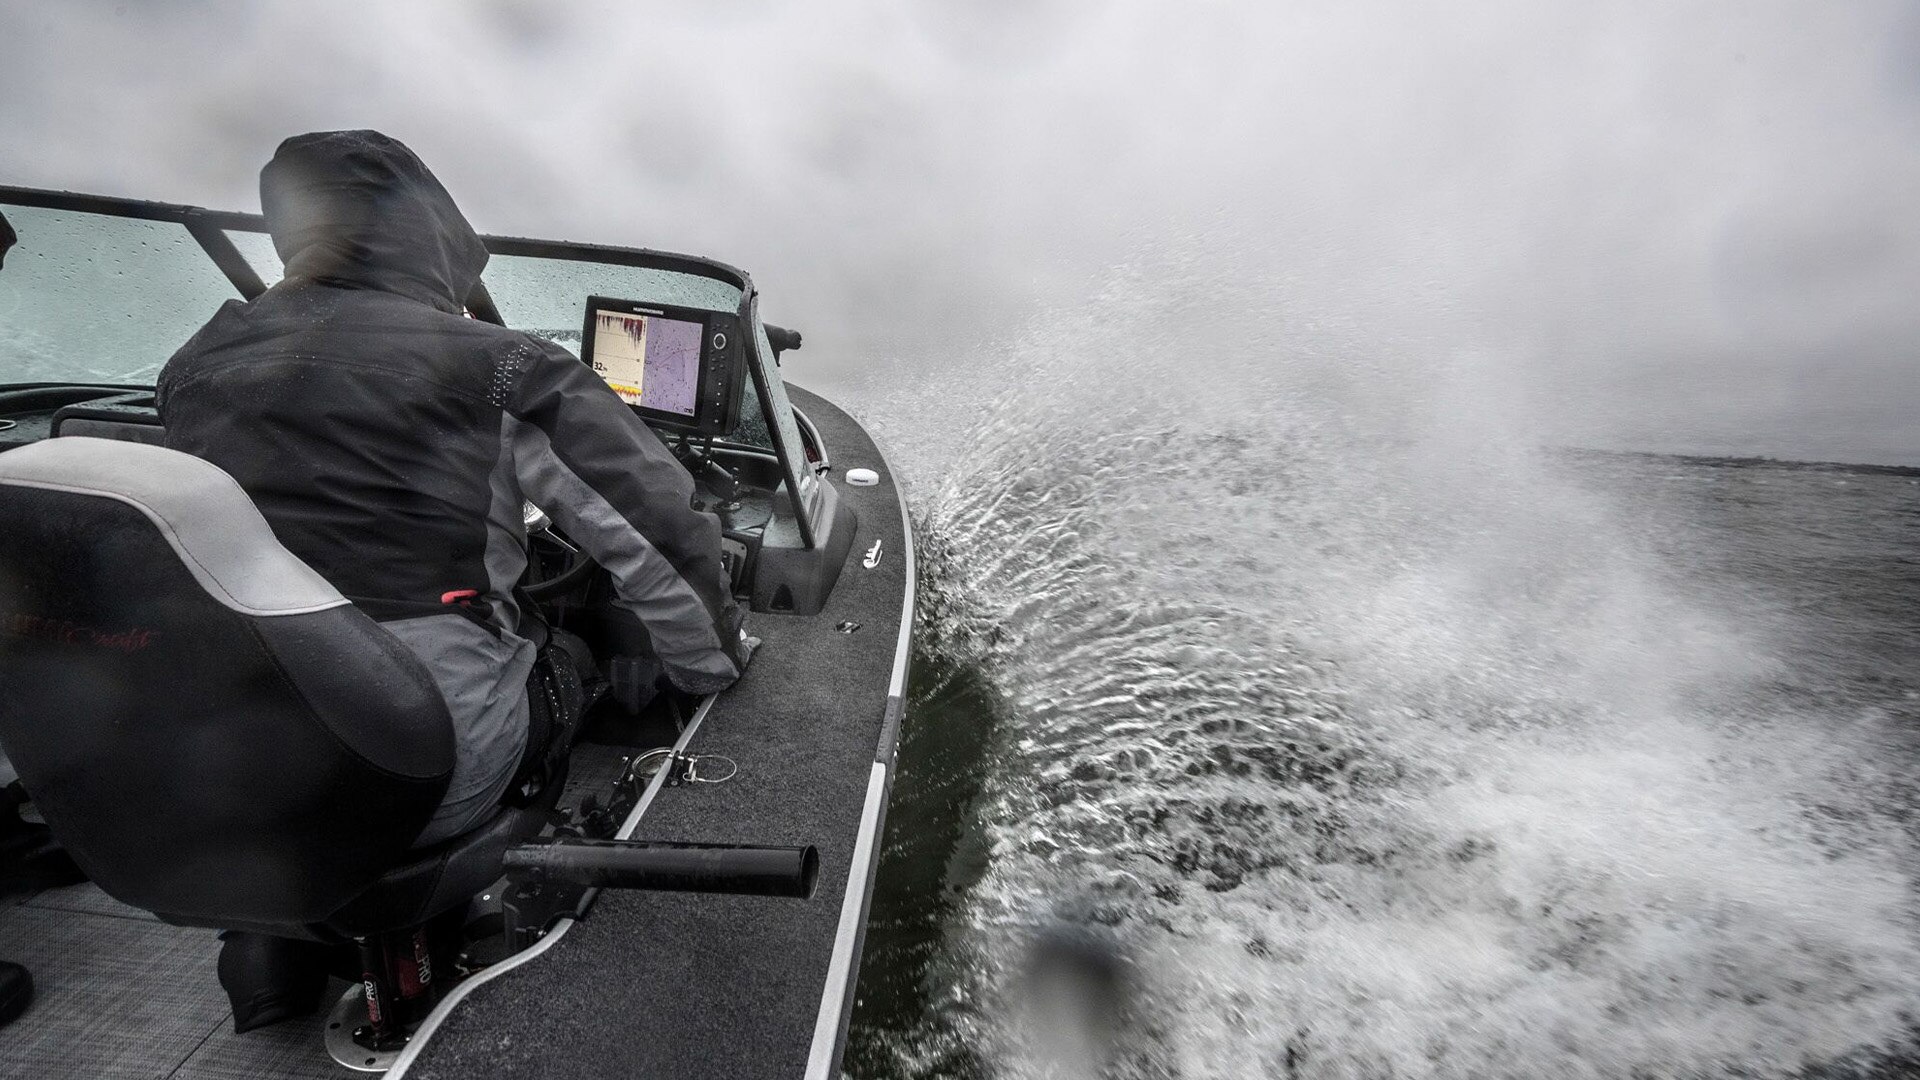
column 686, row 985
column 120, row 995
column 691, row 985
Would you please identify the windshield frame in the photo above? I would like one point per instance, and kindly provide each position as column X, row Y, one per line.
column 209, row 228
column 203, row 225
column 206, row 226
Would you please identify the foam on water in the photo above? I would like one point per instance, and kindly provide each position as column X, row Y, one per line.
column 1377, row 744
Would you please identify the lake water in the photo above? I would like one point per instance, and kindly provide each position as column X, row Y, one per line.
column 1241, row 746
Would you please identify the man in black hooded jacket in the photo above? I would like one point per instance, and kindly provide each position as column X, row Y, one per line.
column 389, row 440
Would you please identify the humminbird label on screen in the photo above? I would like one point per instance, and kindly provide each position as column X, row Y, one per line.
column 649, row 360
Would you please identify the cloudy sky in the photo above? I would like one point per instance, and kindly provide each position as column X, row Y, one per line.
column 1668, row 226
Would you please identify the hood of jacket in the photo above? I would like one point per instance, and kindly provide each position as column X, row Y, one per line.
column 358, row 210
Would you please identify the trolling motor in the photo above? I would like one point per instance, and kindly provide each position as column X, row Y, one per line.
column 739, row 869
column 558, row 877
column 553, row 877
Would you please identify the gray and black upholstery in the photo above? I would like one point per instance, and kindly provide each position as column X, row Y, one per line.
column 215, row 733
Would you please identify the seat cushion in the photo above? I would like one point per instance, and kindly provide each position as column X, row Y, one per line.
column 209, row 728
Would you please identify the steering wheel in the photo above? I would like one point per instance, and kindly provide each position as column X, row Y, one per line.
column 540, row 532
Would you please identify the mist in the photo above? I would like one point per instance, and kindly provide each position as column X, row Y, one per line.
column 1630, row 225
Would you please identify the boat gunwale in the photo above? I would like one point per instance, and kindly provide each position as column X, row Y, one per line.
column 829, row 1040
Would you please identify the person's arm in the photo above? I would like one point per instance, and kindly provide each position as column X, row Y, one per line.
column 584, row 457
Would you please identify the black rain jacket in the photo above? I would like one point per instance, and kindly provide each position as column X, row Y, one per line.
column 389, row 441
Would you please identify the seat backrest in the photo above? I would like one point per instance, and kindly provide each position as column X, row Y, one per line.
column 212, row 730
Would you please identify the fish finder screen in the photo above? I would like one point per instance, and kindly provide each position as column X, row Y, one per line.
column 649, row 360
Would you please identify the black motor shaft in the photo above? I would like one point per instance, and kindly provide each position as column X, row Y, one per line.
column 636, row 864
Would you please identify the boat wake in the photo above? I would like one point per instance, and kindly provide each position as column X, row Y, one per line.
column 1362, row 740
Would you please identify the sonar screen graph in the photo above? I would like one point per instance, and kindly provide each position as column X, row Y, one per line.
column 648, row 360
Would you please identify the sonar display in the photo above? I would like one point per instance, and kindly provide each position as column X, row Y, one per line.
column 649, row 360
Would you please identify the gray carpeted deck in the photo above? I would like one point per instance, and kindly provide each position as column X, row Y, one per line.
column 120, row 995
column 291, row 1049
column 686, row 985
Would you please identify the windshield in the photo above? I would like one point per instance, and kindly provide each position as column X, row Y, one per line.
column 100, row 298
column 93, row 298
column 101, row 290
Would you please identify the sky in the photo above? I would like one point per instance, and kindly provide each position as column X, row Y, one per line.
column 1689, row 227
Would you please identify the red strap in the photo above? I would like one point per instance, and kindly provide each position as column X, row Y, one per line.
column 459, row 596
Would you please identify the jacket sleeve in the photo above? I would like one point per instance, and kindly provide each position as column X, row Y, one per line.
column 582, row 456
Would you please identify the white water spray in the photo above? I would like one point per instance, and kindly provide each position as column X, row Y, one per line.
column 1383, row 747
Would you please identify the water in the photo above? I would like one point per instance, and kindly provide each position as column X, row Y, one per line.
column 1281, row 715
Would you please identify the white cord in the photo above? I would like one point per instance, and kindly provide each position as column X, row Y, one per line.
column 693, row 761
column 693, row 776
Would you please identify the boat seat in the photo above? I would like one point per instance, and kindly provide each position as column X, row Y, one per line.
column 213, row 731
